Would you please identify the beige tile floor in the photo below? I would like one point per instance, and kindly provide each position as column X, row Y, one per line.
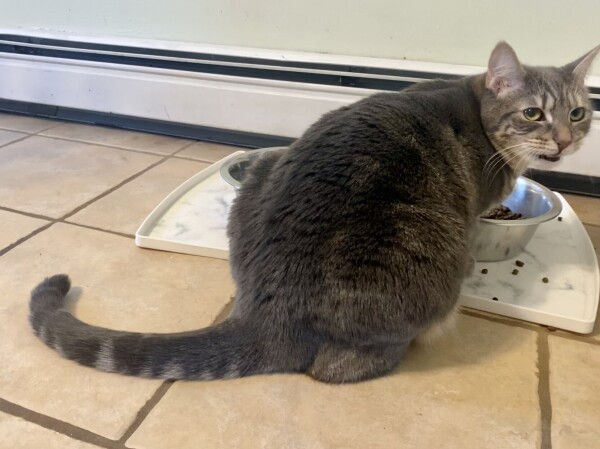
column 71, row 198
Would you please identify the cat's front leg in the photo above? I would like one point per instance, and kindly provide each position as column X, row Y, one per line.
column 470, row 265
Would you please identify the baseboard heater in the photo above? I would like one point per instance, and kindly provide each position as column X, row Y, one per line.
column 210, row 94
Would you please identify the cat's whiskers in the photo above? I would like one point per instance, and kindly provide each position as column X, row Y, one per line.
column 523, row 154
column 527, row 159
column 498, row 155
column 522, row 166
column 514, row 155
column 505, row 156
column 491, row 162
column 500, row 159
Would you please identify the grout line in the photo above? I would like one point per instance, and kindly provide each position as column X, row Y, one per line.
column 56, row 124
column 56, row 425
column 544, row 390
column 94, row 228
column 114, row 147
column 186, row 158
column 12, row 130
column 211, row 143
column 58, row 220
column 187, row 145
column 206, row 161
column 23, row 239
column 31, row 133
column 164, row 388
column 27, row 214
column 112, row 189
column 16, row 140
column 27, row 133
column 146, row 409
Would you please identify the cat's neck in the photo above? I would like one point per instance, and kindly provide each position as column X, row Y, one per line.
column 494, row 190
column 477, row 85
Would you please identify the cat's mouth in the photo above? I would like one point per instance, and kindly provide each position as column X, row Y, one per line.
column 545, row 157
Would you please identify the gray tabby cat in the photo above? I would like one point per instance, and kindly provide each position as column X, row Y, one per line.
column 355, row 242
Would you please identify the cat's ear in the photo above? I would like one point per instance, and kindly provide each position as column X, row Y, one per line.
column 581, row 66
column 505, row 72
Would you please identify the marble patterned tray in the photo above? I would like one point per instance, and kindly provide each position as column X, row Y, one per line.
column 193, row 219
column 560, row 251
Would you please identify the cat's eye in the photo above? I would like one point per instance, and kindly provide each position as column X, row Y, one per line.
column 577, row 114
column 534, row 114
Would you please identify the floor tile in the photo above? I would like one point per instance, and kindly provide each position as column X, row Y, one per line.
column 152, row 143
column 208, row 152
column 51, row 177
column 25, row 123
column 575, row 393
column 594, row 233
column 14, row 226
column 587, row 208
column 125, row 209
column 9, row 136
column 20, row 434
column 476, row 388
column 116, row 285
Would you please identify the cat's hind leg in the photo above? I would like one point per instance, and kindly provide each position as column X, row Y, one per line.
column 439, row 328
column 339, row 363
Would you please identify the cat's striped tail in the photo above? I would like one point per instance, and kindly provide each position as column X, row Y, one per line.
column 227, row 350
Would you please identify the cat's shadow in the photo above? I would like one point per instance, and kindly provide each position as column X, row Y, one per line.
column 474, row 341
column 72, row 299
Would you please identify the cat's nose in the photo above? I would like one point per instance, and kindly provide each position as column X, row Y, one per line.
column 562, row 138
column 562, row 144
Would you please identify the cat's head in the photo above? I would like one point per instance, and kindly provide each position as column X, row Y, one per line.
column 535, row 115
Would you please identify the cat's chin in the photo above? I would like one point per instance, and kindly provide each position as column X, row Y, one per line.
column 545, row 162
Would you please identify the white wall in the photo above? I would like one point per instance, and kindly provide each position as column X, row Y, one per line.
column 452, row 31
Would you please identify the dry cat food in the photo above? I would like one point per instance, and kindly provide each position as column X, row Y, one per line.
column 502, row 213
column 484, row 271
column 519, row 263
column 515, row 271
column 545, row 280
column 559, row 218
column 494, row 299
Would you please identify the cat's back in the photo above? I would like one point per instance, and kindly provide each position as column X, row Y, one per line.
column 387, row 149
column 415, row 115
column 396, row 142
column 359, row 164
